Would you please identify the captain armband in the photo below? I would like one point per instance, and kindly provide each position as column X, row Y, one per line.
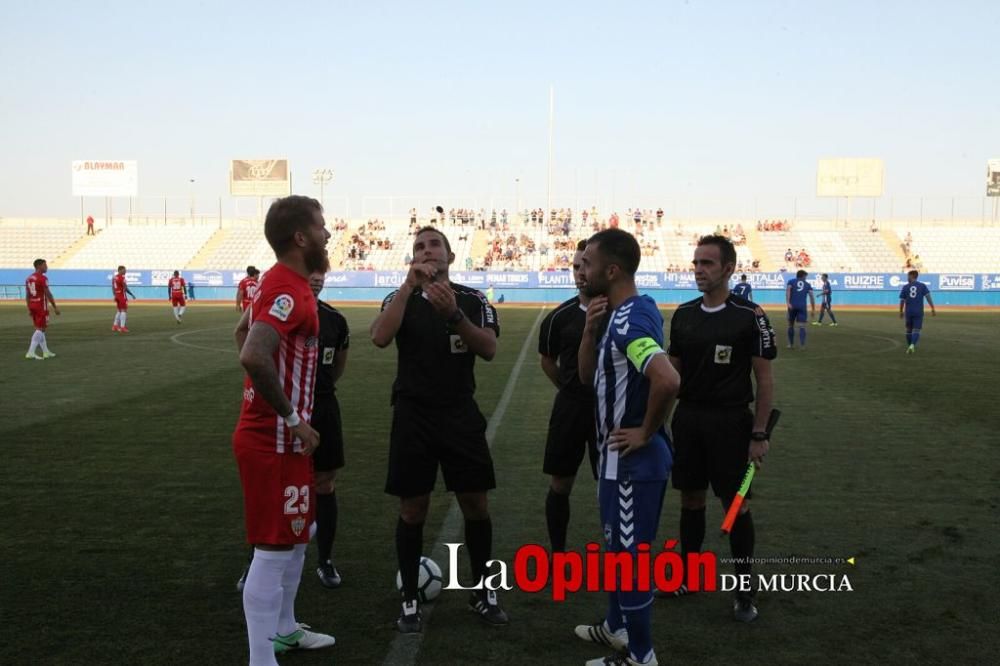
column 640, row 350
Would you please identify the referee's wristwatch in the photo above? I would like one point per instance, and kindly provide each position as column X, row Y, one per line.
column 456, row 318
column 758, row 436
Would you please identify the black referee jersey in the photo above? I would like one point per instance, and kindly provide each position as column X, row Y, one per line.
column 716, row 347
column 334, row 337
column 559, row 337
column 434, row 365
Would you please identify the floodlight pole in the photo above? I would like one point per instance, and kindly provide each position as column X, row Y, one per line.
column 548, row 188
column 517, row 197
column 321, row 177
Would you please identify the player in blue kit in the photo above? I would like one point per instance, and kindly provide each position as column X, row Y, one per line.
column 622, row 357
column 911, row 301
column 743, row 288
column 796, row 293
column 826, row 302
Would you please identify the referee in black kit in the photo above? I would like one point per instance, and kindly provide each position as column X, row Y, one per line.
column 334, row 340
column 440, row 328
column 572, row 432
column 716, row 342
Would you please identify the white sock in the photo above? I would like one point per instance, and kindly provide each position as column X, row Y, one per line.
column 116, row 318
column 121, row 315
column 175, row 312
column 290, row 587
column 34, row 342
column 43, row 342
column 181, row 308
column 262, row 594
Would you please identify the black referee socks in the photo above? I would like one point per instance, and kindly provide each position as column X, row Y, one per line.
column 326, row 524
column 557, row 519
column 741, row 541
column 479, row 539
column 409, row 547
column 692, row 530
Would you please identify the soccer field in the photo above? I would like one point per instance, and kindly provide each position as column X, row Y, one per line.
column 122, row 515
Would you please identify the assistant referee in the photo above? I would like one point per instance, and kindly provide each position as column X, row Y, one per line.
column 334, row 341
column 572, row 431
column 716, row 343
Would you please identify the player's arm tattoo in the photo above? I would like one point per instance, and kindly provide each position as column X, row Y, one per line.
column 257, row 358
column 242, row 328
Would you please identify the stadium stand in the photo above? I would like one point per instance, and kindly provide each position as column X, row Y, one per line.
column 234, row 248
column 840, row 251
column 532, row 246
column 680, row 242
column 163, row 246
column 23, row 242
column 954, row 249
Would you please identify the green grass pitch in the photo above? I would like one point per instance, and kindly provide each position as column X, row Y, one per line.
column 122, row 529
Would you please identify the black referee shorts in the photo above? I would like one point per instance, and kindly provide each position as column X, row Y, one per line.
column 326, row 421
column 424, row 437
column 711, row 445
column 571, row 434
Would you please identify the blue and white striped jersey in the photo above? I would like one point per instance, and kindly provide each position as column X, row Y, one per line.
column 634, row 335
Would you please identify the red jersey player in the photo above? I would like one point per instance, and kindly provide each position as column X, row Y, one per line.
column 246, row 289
column 177, row 288
column 273, row 441
column 38, row 297
column 119, row 288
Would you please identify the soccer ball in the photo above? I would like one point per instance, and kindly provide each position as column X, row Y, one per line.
column 428, row 580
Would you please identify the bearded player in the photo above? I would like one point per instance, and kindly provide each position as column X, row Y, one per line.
column 273, row 441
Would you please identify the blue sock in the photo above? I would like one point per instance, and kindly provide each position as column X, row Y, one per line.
column 832, row 318
column 640, row 638
column 909, row 338
column 821, row 313
column 916, row 336
column 791, row 335
column 802, row 335
column 615, row 619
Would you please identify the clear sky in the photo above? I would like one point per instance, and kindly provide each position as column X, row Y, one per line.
column 654, row 101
